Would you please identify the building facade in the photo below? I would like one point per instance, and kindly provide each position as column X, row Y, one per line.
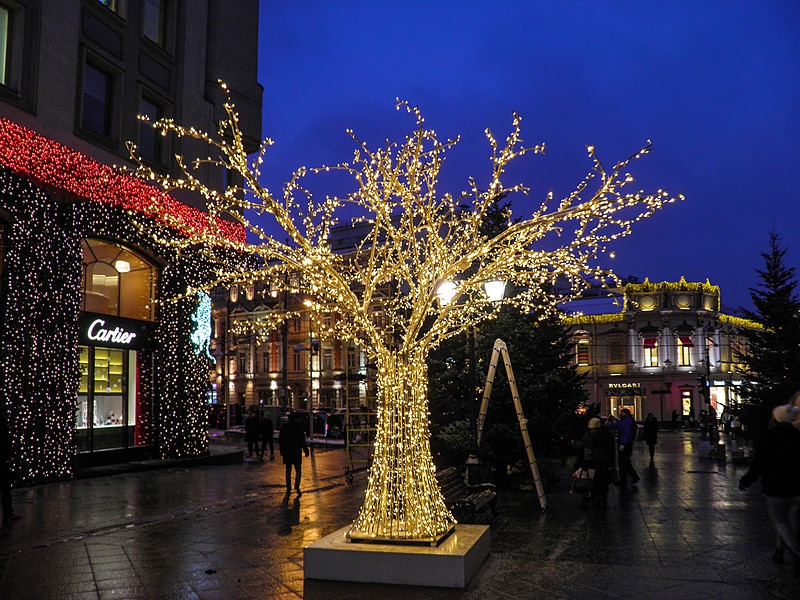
column 663, row 348
column 292, row 365
column 99, row 362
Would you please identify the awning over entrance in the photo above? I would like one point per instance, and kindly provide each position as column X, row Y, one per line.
column 686, row 340
column 649, row 342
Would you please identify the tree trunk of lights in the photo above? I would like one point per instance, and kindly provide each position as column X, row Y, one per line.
column 402, row 499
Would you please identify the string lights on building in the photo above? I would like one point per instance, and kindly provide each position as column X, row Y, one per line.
column 418, row 241
column 55, row 197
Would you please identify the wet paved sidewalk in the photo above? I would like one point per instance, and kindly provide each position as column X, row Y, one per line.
column 229, row 532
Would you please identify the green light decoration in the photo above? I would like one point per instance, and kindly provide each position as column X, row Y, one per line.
column 416, row 241
column 201, row 317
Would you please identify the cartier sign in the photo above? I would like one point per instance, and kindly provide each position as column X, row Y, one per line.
column 98, row 333
column 105, row 330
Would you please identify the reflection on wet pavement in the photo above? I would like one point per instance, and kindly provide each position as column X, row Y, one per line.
column 685, row 531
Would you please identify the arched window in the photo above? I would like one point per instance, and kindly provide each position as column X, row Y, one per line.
column 117, row 281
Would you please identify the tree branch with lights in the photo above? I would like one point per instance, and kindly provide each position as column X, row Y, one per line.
column 423, row 259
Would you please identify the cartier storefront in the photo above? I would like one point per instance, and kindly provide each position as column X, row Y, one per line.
column 99, row 349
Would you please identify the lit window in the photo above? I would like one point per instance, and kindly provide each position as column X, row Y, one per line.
column 234, row 293
column 118, row 6
column 154, row 20
column 583, row 352
column 116, row 281
column 685, row 346
column 650, row 347
column 96, row 107
column 150, row 140
column 5, row 42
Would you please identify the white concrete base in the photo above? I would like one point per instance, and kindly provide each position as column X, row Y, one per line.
column 451, row 564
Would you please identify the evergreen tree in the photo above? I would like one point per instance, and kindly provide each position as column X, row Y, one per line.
column 549, row 385
column 773, row 358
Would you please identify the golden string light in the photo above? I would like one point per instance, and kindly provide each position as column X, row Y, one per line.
column 415, row 240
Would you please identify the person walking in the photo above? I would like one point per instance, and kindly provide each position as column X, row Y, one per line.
column 651, row 434
column 597, row 453
column 292, row 443
column 251, row 432
column 267, row 437
column 5, row 472
column 626, row 433
column 777, row 463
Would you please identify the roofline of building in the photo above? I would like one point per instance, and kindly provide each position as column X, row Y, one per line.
column 53, row 165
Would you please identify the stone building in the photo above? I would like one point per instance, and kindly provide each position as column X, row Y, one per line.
column 660, row 348
column 99, row 364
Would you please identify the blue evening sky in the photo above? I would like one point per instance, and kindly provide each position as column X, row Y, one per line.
column 715, row 84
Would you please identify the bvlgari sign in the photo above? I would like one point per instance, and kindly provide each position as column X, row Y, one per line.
column 625, row 388
column 113, row 332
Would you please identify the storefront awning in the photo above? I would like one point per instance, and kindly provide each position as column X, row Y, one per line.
column 686, row 340
column 649, row 342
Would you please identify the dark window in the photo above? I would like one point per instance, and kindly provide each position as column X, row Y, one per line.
column 154, row 20
column 616, row 351
column 150, row 140
column 96, row 109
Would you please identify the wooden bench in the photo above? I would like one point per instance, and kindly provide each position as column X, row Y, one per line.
column 463, row 500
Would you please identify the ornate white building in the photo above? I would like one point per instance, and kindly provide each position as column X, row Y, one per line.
column 658, row 348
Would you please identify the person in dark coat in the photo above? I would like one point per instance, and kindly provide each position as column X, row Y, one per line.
column 626, row 433
column 251, row 432
column 5, row 472
column 651, row 434
column 597, row 452
column 777, row 463
column 292, row 443
column 267, row 437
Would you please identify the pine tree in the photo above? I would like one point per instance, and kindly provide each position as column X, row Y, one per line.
column 541, row 354
column 773, row 358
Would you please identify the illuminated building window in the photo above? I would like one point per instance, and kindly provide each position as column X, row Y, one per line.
column 234, row 294
column 5, row 42
column 650, row 351
column 582, row 352
column 118, row 6
column 685, row 346
column 116, row 281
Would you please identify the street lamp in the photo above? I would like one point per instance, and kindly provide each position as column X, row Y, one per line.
column 495, row 291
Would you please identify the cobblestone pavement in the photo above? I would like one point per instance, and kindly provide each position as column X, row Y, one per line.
column 229, row 532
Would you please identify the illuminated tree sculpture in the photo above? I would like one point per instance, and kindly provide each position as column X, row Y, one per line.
column 420, row 245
